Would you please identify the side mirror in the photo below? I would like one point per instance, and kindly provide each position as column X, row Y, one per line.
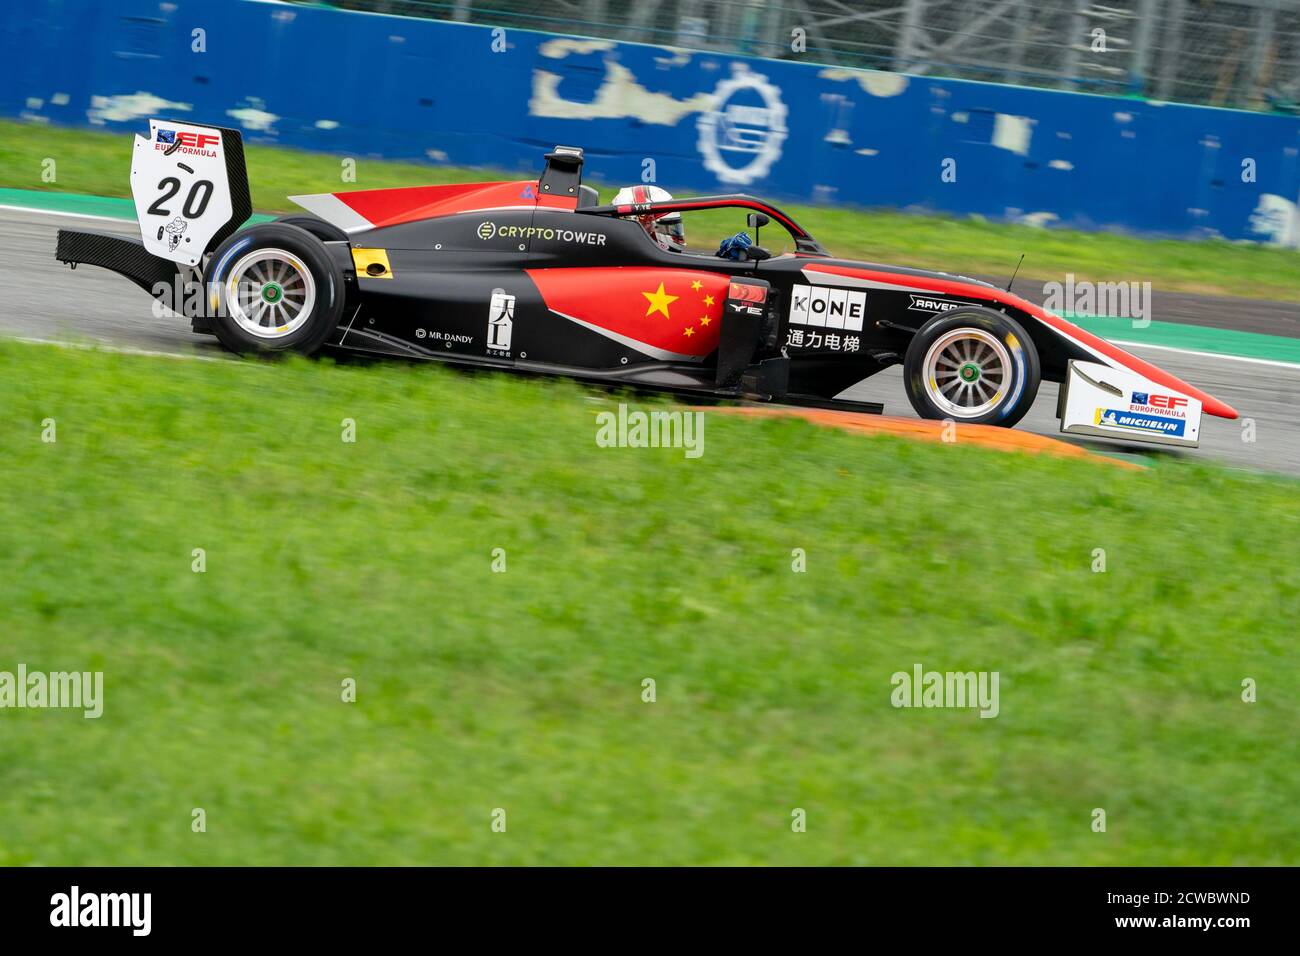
column 757, row 220
column 757, row 253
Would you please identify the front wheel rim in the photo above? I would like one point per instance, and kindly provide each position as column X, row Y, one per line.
column 270, row 293
column 967, row 372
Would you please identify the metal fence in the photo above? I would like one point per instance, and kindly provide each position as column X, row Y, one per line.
column 1236, row 53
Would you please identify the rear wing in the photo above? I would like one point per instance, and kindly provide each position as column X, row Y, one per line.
column 190, row 187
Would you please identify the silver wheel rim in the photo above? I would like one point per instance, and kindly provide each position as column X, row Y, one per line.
column 967, row 372
column 270, row 293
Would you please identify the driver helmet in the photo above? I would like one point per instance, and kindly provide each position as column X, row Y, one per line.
column 666, row 229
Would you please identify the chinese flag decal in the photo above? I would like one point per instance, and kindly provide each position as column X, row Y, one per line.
column 659, row 301
column 672, row 311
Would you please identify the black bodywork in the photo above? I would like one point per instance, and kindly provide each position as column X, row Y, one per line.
column 430, row 301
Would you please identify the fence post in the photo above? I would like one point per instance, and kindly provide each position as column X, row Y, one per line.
column 1261, row 63
column 1141, row 65
column 1075, row 43
column 1170, row 57
column 909, row 46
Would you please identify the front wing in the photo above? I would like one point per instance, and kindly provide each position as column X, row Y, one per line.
column 1108, row 402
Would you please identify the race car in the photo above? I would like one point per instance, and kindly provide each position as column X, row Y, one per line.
column 539, row 276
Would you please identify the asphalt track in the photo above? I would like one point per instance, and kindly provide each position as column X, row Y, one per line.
column 43, row 299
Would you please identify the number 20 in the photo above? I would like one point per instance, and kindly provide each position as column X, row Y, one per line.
column 195, row 203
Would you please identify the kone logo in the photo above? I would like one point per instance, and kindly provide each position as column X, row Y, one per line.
column 831, row 308
column 741, row 134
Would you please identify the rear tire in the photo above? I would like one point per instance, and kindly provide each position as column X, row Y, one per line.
column 322, row 230
column 276, row 290
column 972, row 365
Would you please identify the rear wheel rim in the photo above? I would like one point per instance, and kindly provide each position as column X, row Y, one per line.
column 967, row 372
column 270, row 293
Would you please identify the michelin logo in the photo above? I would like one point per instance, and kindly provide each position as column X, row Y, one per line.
column 1142, row 423
column 828, row 308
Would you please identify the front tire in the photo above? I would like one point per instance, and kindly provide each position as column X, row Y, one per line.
column 276, row 289
column 972, row 365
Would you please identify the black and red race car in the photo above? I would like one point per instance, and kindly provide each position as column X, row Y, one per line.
column 539, row 276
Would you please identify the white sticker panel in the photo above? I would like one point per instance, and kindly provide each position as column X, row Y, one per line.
column 1116, row 403
column 817, row 306
column 799, row 305
column 180, row 187
column 835, row 309
column 828, row 308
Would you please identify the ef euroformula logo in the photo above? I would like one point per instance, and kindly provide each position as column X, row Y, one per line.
column 189, row 143
column 1167, row 402
column 170, row 137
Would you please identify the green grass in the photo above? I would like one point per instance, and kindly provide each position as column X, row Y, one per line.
column 522, row 690
column 97, row 163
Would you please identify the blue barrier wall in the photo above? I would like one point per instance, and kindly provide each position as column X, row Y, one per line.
column 367, row 85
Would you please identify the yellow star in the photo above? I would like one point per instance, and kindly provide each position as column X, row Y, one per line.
column 697, row 285
column 704, row 320
column 659, row 301
column 689, row 330
column 708, row 300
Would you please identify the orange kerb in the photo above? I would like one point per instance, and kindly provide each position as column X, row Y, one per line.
column 1002, row 439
